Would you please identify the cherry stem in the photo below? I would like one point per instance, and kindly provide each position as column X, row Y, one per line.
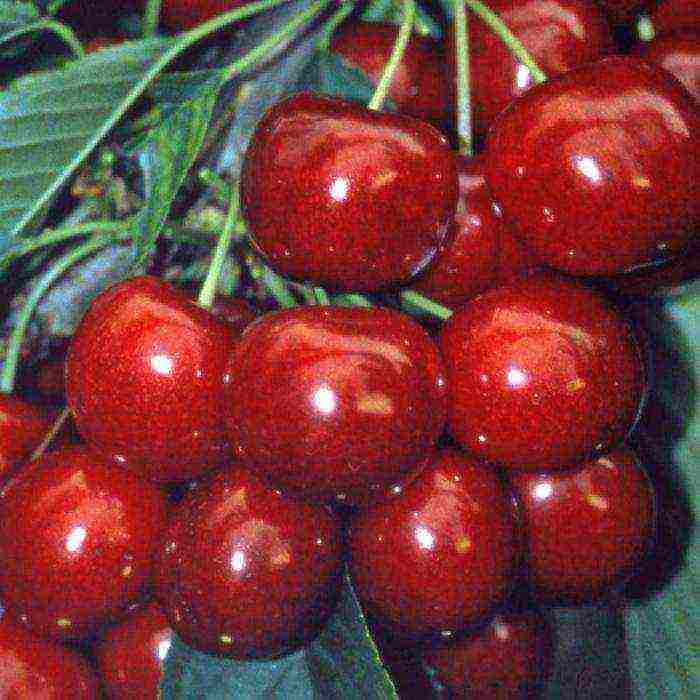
column 464, row 110
column 151, row 16
column 645, row 28
column 322, row 297
column 405, row 30
column 425, row 304
column 54, row 430
column 63, row 31
column 355, row 300
column 277, row 286
column 515, row 46
column 333, row 23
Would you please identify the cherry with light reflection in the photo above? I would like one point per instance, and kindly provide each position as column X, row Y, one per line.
column 587, row 527
column 22, row 428
column 541, row 373
column 597, row 169
column 437, row 558
column 244, row 571
column 77, row 537
column 359, row 405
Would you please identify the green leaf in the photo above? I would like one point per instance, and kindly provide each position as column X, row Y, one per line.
column 16, row 14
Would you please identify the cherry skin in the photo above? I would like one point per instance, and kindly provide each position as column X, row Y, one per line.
column 439, row 556
column 587, row 528
column 32, row 667
column 181, row 15
column 360, row 405
column 22, row 428
column 593, row 172
column 558, row 34
column 420, row 86
column 238, row 313
column 505, row 660
column 130, row 655
column 320, row 184
column 672, row 15
column 144, row 380
column 541, row 373
column 77, row 536
column 244, row 571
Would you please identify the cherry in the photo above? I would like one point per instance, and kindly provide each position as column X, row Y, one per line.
column 237, row 312
column 420, row 86
column 244, row 571
column 679, row 54
column 102, row 42
column 514, row 259
column 180, row 15
column 22, row 428
column 598, row 168
column 439, row 556
column 77, row 536
column 541, row 373
column 32, row 667
column 333, row 401
column 588, row 527
column 507, row 659
column 672, row 15
column 558, row 34
column 320, row 185
column 130, row 655
column 144, row 379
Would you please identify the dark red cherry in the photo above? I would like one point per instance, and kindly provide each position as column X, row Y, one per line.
column 347, row 197
column 514, row 259
column 22, row 428
column 598, row 169
column 144, row 379
column 541, row 373
column 679, row 54
column 438, row 557
column 238, row 313
column 180, row 15
column 33, row 668
column 559, row 35
column 672, row 15
column 587, row 527
column 244, row 571
column 420, row 86
column 130, row 655
column 77, row 536
column 505, row 660
column 333, row 401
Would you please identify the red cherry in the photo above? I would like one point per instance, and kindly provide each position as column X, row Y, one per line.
column 558, row 34
column 244, row 571
column 34, row 668
column 320, row 185
column 541, row 373
column 238, row 313
column 598, row 169
column 514, row 260
column 333, row 401
column 180, row 15
column 420, row 86
column 672, row 15
column 587, row 528
column 22, row 428
column 438, row 557
column 679, row 54
column 130, row 655
column 144, row 379
column 505, row 660
column 76, row 541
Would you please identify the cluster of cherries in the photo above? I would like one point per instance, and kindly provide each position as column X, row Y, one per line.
column 444, row 471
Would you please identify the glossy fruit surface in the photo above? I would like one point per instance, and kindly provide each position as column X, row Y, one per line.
column 22, row 428
column 672, row 15
column 144, row 379
column 331, row 400
column 439, row 556
column 587, row 527
column 420, row 86
column 180, row 15
column 598, row 169
column 541, row 373
column 77, row 536
column 320, row 185
column 130, row 655
column 244, row 571
column 503, row 661
column 558, row 34
column 33, row 668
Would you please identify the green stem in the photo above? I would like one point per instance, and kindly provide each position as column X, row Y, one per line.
column 278, row 288
column 645, row 28
column 151, row 16
column 322, row 297
column 355, row 300
column 498, row 27
column 333, row 23
column 53, row 7
column 380, row 94
column 54, row 430
column 428, row 305
column 62, row 31
column 464, row 111
column 9, row 370
column 208, row 291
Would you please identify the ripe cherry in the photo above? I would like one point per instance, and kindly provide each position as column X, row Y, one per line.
column 622, row 12
column 360, row 404
column 587, row 527
column 672, row 15
column 541, row 373
column 420, row 86
column 438, row 557
column 130, row 655
column 593, row 172
column 77, row 536
column 320, row 184
column 22, row 428
column 144, row 379
column 32, row 667
column 244, row 571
